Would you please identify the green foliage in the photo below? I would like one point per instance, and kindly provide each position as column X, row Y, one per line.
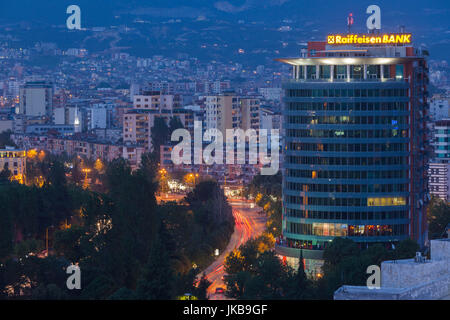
column 159, row 134
column 201, row 290
column 123, row 294
column 266, row 185
column 301, row 288
column 126, row 245
column 102, row 286
column 406, row 249
column 157, row 279
column 266, row 278
column 76, row 174
column 438, row 217
column 255, row 272
column 253, row 269
column 5, row 139
column 266, row 190
column 68, row 243
column 6, row 232
column 5, row 175
column 345, row 263
column 174, row 123
column 209, row 196
column 27, row 246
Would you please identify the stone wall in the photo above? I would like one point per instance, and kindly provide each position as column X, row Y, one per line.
column 408, row 280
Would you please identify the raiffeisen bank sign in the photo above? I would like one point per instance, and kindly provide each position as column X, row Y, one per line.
column 369, row 39
column 373, row 23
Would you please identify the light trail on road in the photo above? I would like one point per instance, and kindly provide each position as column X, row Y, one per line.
column 248, row 224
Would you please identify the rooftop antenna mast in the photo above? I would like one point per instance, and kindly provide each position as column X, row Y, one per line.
column 350, row 21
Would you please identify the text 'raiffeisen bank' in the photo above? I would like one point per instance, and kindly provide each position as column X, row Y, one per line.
column 392, row 38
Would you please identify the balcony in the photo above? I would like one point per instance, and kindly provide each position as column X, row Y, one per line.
column 369, row 80
column 284, row 250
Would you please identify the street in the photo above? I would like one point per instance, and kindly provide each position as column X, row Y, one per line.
column 249, row 224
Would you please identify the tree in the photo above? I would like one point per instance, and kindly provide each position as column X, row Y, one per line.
column 159, row 134
column 5, row 174
column 68, row 243
column 28, row 246
column 267, row 278
column 210, row 196
column 406, row 249
column 77, row 175
column 255, row 272
column 5, row 139
column 438, row 217
column 123, row 294
column 267, row 193
column 56, row 174
column 202, row 289
column 6, row 231
column 301, row 275
column 48, row 292
column 157, row 279
column 174, row 123
column 102, row 286
column 265, row 184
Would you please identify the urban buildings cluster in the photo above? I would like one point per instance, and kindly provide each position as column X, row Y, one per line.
column 104, row 106
column 357, row 123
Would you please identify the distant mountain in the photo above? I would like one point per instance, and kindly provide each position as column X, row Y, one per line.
column 427, row 20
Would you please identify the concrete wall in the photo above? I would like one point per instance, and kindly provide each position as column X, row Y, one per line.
column 440, row 249
column 408, row 280
column 435, row 290
column 404, row 274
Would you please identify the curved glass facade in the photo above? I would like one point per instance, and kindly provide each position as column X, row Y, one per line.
column 346, row 161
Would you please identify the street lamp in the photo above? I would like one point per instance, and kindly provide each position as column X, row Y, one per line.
column 86, row 171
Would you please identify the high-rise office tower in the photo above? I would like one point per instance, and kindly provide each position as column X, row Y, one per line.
column 356, row 145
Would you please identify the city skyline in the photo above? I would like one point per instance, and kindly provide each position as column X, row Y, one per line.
column 226, row 150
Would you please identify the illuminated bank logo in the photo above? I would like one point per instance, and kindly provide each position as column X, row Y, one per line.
column 370, row 39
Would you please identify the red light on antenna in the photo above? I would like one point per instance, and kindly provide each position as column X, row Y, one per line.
column 350, row 19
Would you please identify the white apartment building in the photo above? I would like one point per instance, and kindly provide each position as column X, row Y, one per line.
column 439, row 109
column 36, row 99
column 156, row 101
column 229, row 111
column 438, row 179
column 15, row 161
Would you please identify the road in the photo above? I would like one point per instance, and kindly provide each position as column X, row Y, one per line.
column 168, row 197
column 249, row 224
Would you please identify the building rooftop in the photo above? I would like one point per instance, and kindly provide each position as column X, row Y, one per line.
column 344, row 60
